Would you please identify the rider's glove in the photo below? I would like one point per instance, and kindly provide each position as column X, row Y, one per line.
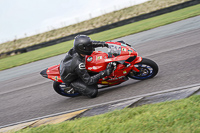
column 108, row 71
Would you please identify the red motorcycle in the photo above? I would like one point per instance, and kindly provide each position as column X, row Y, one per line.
column 127, row 64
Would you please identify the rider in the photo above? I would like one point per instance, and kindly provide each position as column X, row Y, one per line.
column 72, row 68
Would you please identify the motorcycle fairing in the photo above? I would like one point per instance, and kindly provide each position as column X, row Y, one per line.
column 126, row 57
column 52, row 73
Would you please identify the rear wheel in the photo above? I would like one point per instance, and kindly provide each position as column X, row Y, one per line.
column 63, row 90
column 148, row 69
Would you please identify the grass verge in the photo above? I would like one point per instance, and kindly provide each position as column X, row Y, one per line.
column 175, row 116
column 132, row 28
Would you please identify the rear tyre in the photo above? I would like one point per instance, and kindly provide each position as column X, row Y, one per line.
column 148, row 69
column 63, row 90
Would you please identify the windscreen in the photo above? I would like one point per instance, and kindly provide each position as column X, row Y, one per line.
column 113, row 50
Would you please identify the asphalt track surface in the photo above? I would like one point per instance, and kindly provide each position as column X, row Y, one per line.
column 24, row 94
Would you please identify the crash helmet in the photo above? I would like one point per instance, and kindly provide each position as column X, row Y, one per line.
column 83, row 45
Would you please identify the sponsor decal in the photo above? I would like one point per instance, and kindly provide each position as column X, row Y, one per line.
column 124, row 72
column 108, row 59
column 99, row 57
column 130, row 51
column 81, row 66
column 56, row 78
column 89, row 59
column 117, row 78
column 94, row 68
column 123, row 49
column 104, row 82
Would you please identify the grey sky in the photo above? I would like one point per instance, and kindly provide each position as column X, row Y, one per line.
column 20, row 17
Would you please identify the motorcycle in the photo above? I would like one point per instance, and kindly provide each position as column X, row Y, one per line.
column 125, row 60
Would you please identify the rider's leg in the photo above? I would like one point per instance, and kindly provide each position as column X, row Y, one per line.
column 86, row 90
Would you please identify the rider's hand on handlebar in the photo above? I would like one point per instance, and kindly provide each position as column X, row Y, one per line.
column 108, row 70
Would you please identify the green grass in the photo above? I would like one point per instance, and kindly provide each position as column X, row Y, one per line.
column 132, row 28
column 181, row 116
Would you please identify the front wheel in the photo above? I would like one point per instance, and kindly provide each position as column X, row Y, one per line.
column 148, row 69
column 63, row 90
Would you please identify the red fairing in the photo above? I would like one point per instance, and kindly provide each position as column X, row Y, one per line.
column 54, row 73
column 96, row 62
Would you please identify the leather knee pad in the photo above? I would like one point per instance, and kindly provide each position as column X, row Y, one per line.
column 87, row 90
column 93, row 93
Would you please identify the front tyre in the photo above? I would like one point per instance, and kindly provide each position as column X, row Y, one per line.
column 148, row 69
column 61, row 89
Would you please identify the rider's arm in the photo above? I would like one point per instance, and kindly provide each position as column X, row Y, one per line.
column 83, row 74
column 89, row 80
column 99, row 44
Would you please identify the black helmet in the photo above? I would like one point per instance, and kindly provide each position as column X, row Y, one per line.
column 83, row 45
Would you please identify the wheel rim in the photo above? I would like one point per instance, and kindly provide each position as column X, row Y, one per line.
column 146, row 71
column 65, row 91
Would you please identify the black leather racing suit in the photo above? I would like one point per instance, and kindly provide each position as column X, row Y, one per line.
column 73, row 72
